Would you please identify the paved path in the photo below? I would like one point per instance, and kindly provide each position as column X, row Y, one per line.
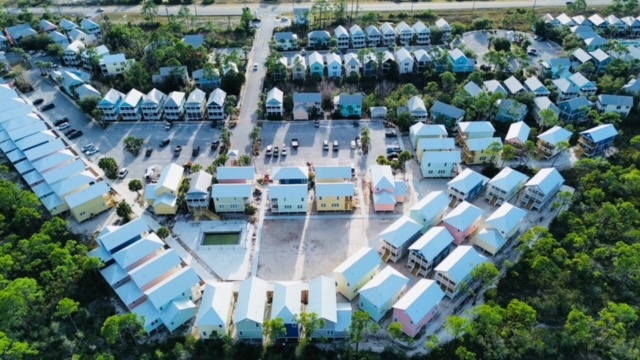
column 236, row 9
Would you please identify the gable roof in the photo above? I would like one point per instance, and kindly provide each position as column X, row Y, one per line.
column 416, row 104
column 86, row 24
column 618, row 100
column 200, row 182
column 400, row 231
column 335, row 189
column 333, row 172
column 217, row 97
column 494, row 86
column 289, row 190
column 351, row 59
column 533, row 84
column 447, row 110
column 197, row 96
column 172, row 287
column 322, row 298
column 430, row 130
column 387, row 28
column 231, row 190
column 195, row 40
column 513, row 85
column 154, row 96
column 314, row 97
column 340, row 31
column 215, row 307
column 518, row 131
column 421, row 55
column 275, row 94
column 348, row 99
column 419, row 27
column 420, row 300
column 507, row 179
column 481, row 144
column 581, row 55
column 576, row 103
column 579, row 80
column 171, row 177
column 139, row 250
column 472, row 89
column 476, row 126
column 432, row 204
column 384, row 286
column 463, row 216
column 315, row 58
column 555, row 135
column 382, row 176
column 403, row 55
column 600, row 132
column 543, row 102
column 174, row 99
column 456, row 54
column 599, row 55
column 114, row 236
column 436, row 144
column 252, row 300
column 355, row 29
column 356, row 266
column 290, row 172
column 546, row 179
column 467, row 180
column 98, row 189
column 133, row 98
column 155, row 268
column 433, row 242
column 505, row 218
column 287, row 301
column 458, row 265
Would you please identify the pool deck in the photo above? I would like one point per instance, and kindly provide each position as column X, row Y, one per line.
column 229, row 262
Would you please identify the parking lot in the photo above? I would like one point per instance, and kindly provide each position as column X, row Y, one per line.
column 478, row 41
column 311, row 144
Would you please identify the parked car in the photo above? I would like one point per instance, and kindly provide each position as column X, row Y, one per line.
column 255, row 67
column 284, row 150
column 87, row 147
column 165, row 142
column 195, row 152
column 47, row 107
column 317, row 123
column 149, row 152
column 70, row 131
column 76, row 134
column 276, row 151
column 122, row 173
column 393, row 149
column 92, row 151
column 38, row 101
column 389, row 133
column 63, row 126
column 168, row 125
column 485, row 67
column 303, row 52
column 532, row 52
column 335, row 145
column 393, row 156
column 325, row 145
column 269, row 150
column 61, row 121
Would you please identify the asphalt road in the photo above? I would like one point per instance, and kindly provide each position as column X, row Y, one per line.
column 236, row 9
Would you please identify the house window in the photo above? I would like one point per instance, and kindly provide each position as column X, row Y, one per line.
column 323, row 205
column 319, row 197
column 301, row 199
column 299, row 206
column 257, row 325
column 240, row 333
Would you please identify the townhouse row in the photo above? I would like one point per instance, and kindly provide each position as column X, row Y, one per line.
column 63, row 33
column 156, row 105
column 356, row 38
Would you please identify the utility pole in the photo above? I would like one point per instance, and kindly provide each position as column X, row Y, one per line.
column 357, row 8
column 412, row 1
column 195, row 9
column 534, row 4
column 166, row 8
column 473, row 7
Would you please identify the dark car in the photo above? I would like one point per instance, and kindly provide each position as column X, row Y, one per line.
column 69, row 132
column 38, row 101
column 61, row 121
column 165, row 142
column 485, row 67
column 47, row 107
column 149, row 151
column 393, row 156
column 76, row 134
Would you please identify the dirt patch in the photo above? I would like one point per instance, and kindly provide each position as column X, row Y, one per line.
column 302, row 249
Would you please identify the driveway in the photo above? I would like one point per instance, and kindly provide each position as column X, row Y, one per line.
column 478, row 42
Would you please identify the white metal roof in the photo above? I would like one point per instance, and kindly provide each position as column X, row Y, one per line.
column 177, row 313
column 290, row 172
column 322, row 298
column 73, row 183
column 231, row 190
column 236, row 173
column 508, row 179
column 53, row 160
column 432, row 204
column 64, row 172
column 382, row 176
column 442, row 157
column 467, row 180
column 133, row 98
column 434, row 130
column 174, row 99
column 518, row 131
column 482, row 143
column 600, row 132
column 468, row 127
column 23, row 132
column 35, row 139
column 505, row 218
column 252, row 300
column 513, row 85
column 112, row 237
column 433, row 242
column 356, row 266
column 139, row 250
column 43, row 150
column 463, row 216
column 384, row 197
column 283, row 191
column 148, row 312
column 437, row 144
column 490, row 240
column 200, row 182
column 420, row 300
column 215, row 306
column 166, row 261
column 333, row 172
column 384, row 286
column 98, row 189
column 335, row 189
column 113, row 274
column 287, row 301
column 400, row 231
column 20, row 121
column 172, row 287
column 546, row 179
column 171, row 177
column 129, row 292
column 555, row 135
column 458, row 265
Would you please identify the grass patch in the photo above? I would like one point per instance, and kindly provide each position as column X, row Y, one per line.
column 220, row 238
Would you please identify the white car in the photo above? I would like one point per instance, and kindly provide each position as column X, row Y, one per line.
column 123, row 172
column 255, row 67
column 87, row 147
column 63, row 126
column 92, row 151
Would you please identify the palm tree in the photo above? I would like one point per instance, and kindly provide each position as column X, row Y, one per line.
column 150, row 9
column 365, row 139
column 493, row 150
column 548, row 119
column 508, row 153
column 561, row 147
column 528, row 150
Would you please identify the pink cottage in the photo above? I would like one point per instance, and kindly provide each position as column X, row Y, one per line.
column 418, row 306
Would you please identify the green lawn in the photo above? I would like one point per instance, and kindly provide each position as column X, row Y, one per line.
column 220, row 239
